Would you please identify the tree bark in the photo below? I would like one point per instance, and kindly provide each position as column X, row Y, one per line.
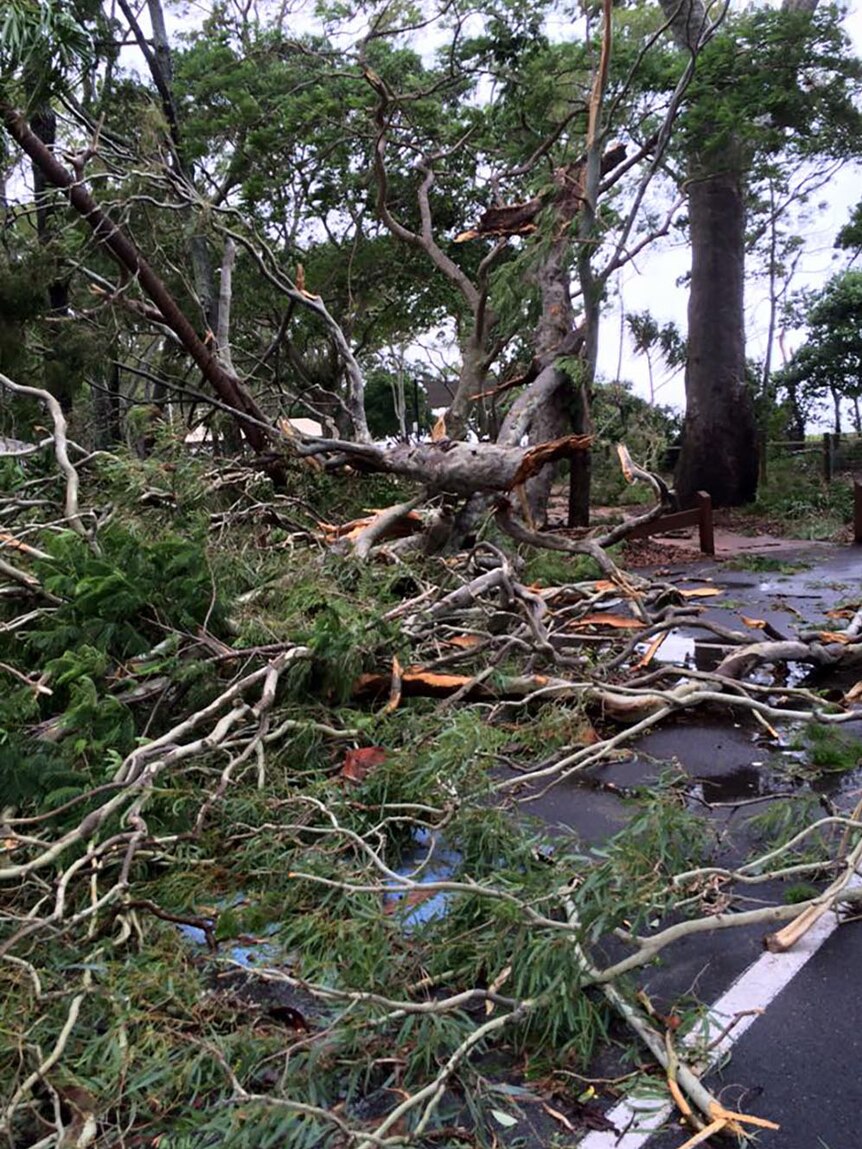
column 59, row 380
column 450, row 466
column 719, row 450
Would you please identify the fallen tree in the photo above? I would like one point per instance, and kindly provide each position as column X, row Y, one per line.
column 307, row 806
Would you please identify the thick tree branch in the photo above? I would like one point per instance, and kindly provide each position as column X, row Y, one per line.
column 112, row 237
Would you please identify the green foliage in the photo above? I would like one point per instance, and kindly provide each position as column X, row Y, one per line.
column 782, row 820
column 829, row 751
column 550, row 568
column 632, row 883
column 43, row 43
column 794, row 67
column 797, row 496
column 381, row 388
column 799, row 892
column 829, row 363
column 766, row 564
column 129, row 597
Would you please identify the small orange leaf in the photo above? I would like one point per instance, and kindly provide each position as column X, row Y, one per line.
column 617, row 621
column 359, row 763
column 464, row 641
column 834, row 636
column 650, row 652
column 754, row 623
column 701, row 592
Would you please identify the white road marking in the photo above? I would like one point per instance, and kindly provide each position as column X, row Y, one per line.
column 636, row 1119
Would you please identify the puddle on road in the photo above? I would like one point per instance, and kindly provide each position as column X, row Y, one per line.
column 741, row 783
column 428, row 859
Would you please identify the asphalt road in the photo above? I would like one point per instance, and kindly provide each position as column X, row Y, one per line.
column 798, row 1063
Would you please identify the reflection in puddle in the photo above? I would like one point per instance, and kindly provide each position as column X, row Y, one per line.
column 427, row 860
column 681, row 649
column 686, row 651
column 244, row 950
column 745, row 782
column 677, row 649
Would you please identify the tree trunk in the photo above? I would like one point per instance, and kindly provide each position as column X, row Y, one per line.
column 719, row 450
column 836, row 407
column 60, row 381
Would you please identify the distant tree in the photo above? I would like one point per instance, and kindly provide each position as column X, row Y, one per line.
column 828, row 366
column 651, row 338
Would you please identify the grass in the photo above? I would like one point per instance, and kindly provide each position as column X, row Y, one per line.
column 766, row 564
column 797, row 495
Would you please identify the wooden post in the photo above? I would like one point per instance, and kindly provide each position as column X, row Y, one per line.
column 827, row 457
column 761, row 458
column 857, row 511
column 704, row 523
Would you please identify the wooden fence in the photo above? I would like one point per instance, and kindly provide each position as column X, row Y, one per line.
column 837, row 453
column 700, row 515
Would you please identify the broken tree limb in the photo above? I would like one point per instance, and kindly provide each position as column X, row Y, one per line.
column 587, row 546
column 382, row 526
column 740, row 662
column 784, row 939
column 683, row 1077
column 448, row 465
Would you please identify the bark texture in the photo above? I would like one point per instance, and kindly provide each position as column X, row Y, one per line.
column 719, row 449
column 719, row 452
column 450, row 466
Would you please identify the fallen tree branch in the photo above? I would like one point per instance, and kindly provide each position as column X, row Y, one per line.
column 73, row 515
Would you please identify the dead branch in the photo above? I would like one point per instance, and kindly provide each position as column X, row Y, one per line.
column 73, row 516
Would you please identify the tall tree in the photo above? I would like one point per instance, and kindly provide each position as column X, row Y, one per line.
column 758, row 87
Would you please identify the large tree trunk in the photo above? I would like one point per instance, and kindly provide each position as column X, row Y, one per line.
column 719, row 450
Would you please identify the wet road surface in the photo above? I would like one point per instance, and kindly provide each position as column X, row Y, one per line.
column 798, row 1063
